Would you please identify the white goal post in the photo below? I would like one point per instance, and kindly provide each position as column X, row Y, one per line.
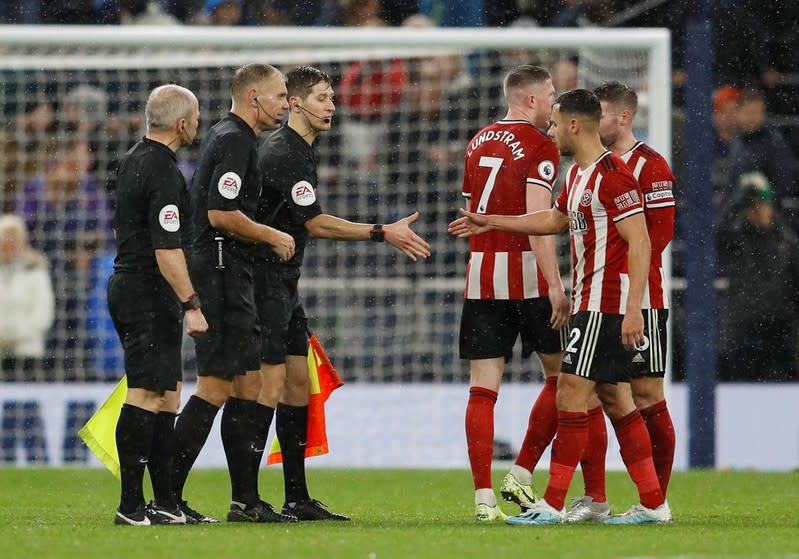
column 395, row 148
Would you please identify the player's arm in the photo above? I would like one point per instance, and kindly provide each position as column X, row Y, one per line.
column 539, row 198
column 172, row 265
column 657, row 187
column 237, row 225
column 398, row 234
column 542, row 222
column 633, row 230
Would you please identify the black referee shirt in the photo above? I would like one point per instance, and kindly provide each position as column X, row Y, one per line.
column 152, row 204
column 227, row 179
column 288, row 196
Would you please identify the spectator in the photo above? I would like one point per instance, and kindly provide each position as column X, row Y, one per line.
column 223, row 12
column 69, row 218
column 368, row 93
column 144, row 12
column 424, row 147
column 760, row 257
column 761, row 147
column 564, row 74
column 26, row 301
column 725, row 127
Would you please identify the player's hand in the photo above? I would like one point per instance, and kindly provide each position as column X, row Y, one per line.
column 400, row 235
column 632, row 330
column 196, row 324
column 282, row 244
column 468, row 225
column 561, row 309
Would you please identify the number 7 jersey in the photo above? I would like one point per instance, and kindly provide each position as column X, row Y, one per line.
column 502, row 162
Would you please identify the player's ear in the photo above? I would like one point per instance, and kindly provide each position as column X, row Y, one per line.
column 293, row 102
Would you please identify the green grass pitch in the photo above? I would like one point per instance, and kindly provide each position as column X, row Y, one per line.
column 68, row 513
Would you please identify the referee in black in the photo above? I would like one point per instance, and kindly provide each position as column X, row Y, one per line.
column 148, row 294
column 289, row 203
column 224, row 197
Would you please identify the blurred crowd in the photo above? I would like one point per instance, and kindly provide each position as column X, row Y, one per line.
column 57, row 154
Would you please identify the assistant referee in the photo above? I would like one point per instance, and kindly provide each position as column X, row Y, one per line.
column 225, row 194
column 148, row 293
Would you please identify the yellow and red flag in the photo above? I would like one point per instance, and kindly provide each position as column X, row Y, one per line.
column 324, row 380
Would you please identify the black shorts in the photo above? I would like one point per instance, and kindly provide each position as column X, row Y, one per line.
column 229, row 347
column 282, row 321
column 595, row 350
column 650, row 360
column 147, row 316
column 489, row 328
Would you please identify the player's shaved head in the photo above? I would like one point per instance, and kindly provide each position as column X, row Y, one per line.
column 302, row 79
column 250, row 76
column 166, row 105
column 581, row 104
column 618, row 94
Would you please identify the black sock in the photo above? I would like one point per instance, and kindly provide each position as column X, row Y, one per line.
column 263, row 420
column 191, row 431
column 134, row 436
column 161, row 457
column 238, row 437
column 292, row 429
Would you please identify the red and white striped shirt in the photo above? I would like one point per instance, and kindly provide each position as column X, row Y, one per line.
column 595, row 199
column 656, row 180
column 502, row 161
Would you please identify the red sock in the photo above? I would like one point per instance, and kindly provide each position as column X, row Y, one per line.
column 541, row 426
column 567, row 448
column 661, row 432
column 480, row 434
column 593, row 461
column 636, row 451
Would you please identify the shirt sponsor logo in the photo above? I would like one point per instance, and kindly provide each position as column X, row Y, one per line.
column 302, row 193
column 585, row 199
column 661, row 185
column 169, row 218
column 627, row 200
column 660, row 195
column 546, row 169
column 229, row 185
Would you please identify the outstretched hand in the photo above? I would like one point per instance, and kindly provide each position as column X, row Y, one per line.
column 468, row 225
column 400, row 235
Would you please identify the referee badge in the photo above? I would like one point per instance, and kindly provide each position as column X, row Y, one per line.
column 169, row 218
column 302, row 193
column 229, row 185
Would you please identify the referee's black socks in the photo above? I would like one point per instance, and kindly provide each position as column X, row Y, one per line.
column 292, row 430
column 238, row 437
column 161, row 457
column 263, row 421
column 191, row 431
column 134, row 436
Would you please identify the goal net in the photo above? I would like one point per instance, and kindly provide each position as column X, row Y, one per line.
column 71, row 104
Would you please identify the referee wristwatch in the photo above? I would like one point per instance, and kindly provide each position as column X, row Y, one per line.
column 192, row 303
column 377, row 234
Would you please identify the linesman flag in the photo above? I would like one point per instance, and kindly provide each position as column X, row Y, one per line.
column 324, row 380
column 99, row 433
